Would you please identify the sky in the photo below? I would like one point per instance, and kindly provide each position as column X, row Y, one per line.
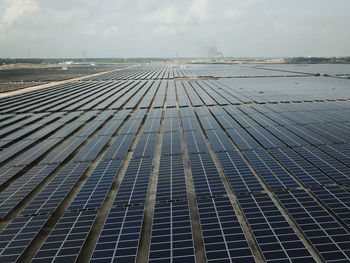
column 166, row 28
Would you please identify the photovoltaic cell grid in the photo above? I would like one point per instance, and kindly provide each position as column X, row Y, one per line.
column 118, row 241
column 223, row 236
column 275, row 237
column 171, row 183
column 325, row 233
column 262, row 133
column 17, row 236
column 67, row 238
column 171, row 238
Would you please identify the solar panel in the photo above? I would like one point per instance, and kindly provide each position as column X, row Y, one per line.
column 56, row 191
column 22, row 187
column 336, row 199
column 326, row 163
column 219, row 141
column 171, row 143
column 308, row 174
column 275, row 237
column 119, row 147
column 171, row 237
column 17, row 235
column 222, row 234
column 238, row 173
column 134, row 186
column 67, row 238
column 78, row 162
column 271, row 172
column 243, row 139
column 118, row 241
column 146, row 145
column 171, row 179
column 206, row 179
column 195, row 142
column 329, row 238
column 151, row 124
column 96, row 187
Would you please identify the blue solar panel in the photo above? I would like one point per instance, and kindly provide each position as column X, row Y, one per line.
column 171, row 179
column 238, row 173
column 171, row 237
column 206, row 179
column 14, row 194
column 67, row 238
column 151, row 124
column 118, row 241
column 336, row 199
column 134, row 186
column 70, row 150
column 265, row 138
column 326, row 163
column 119, row 147
column 146, row 145
column 219, row 141
column 227, row 122
column 308, row 174
column 339, row 152
column 189, row 123
column 171, row 143
column 195, row 142
column 15, row 238
column 271, row 172
column 171, row 124
column 57, row 190
column 223, row 236
column 8, row 172
column 329, row 238
column 242, row 139
column 95, row 190
column 275, row 237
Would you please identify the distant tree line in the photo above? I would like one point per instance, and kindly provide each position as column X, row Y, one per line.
column 79, row 60
column 314, row 60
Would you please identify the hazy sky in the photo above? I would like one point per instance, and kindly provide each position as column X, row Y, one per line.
column 157, row 28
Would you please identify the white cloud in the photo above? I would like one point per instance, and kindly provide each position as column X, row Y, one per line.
column 170, row 30
column 110, row 32
column 167, row 15
column 233, row 14
column 173, row 20
column 158, row 27
column 198, row 11
column 250, row 3
column 18, row 8
column 70, row 15
column 280, row 26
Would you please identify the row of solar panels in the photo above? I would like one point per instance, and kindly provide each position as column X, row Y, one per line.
column 330, row 160
column 129, row 94
column 36, row 139
column 239, row 71
column 271, row 129
column 289, row 89
column 172, row 235
column 170, row 71
column 213, row 186
column 46, row 158
column 330, row 69
column 153, row 71
column 327, row 124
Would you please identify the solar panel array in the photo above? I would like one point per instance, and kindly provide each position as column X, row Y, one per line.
column 19, row 78
column 151, row 164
